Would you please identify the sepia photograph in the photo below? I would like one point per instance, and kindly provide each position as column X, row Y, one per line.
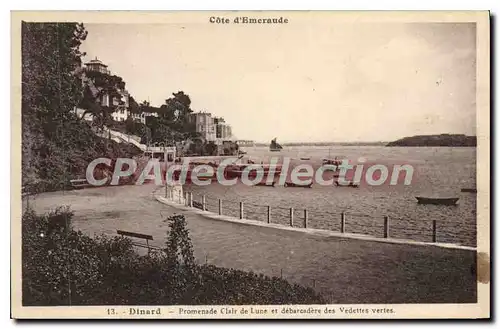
column 272, row 164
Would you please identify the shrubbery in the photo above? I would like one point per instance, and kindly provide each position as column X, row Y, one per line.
column 63, row 267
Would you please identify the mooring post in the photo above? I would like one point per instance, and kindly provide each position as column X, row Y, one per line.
column 220, row 206
column 305, row 218
column 191, row 199
column 268, row 214
column 291, row 217
column 342, row 222
column 434, row 230
column 166, row 191
column 241, row 210
column 203, row 202
column 386, row 227
column 180, row 196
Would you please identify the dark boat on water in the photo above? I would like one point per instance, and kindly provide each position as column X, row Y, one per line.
column 264, row 183
column 236, row 170
column 438, row 201
column 289, row 184
column 351, row 184
column 469, row 190
column 335, row 162
column 275, row 147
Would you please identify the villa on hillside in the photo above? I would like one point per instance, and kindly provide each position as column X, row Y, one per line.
column 142, row 116
column 119, row 104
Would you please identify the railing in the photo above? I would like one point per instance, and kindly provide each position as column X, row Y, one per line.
column 425, row 230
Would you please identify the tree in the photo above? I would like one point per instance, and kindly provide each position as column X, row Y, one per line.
column 56, row 145
column 181, row 263
column 174, row 115
column 51, row 89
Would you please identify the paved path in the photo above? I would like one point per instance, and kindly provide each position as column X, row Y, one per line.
column 343, row 270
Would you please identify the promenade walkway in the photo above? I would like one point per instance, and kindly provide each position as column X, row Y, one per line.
column 343, row 270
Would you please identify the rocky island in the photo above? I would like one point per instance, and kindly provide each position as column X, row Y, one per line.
column 453, row 140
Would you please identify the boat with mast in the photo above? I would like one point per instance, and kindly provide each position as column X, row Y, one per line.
column 274, row 146
column 330, row 161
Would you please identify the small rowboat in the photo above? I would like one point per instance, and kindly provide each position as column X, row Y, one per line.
column 351, row 184
column 334, row 162
column 265, row 184
column 440, row 201
column 470, row 190
column 305, row 158
column 298, row 185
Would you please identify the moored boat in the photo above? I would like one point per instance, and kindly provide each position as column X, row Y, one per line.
column 335, row 162
column 274, row 146
column 351, row 184
column 469, row 190
column 437, row 201
column 236, row 170
column 264, row 183
column 290, row 184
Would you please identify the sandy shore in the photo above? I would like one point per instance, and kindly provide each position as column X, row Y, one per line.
column 343, row 270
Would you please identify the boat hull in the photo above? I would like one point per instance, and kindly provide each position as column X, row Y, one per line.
column 298, row 185
column 437, row 201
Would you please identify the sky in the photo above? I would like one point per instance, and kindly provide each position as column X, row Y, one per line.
column 325, row 81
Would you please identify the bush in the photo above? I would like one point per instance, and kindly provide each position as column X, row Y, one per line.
column 65, row 267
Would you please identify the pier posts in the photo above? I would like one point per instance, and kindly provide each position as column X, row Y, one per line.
column 191, row 199
column 203, row 202
column 434, row 230
column 186, row 198
column 342, row 222
column 241, row 210
column 220, row 206
column 180, row 196
column 291, row 217
column 305, row 218
column 386, row 227
column 268, row 214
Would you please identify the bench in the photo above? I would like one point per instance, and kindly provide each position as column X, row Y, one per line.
column 146, row 237
column 79, row 183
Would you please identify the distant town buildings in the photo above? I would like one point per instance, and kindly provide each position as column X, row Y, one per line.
column 223, row 130
column 205, row 125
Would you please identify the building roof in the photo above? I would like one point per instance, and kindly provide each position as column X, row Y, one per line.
column 95, row 62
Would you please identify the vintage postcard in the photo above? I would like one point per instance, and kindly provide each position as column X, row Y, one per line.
column 254, row 165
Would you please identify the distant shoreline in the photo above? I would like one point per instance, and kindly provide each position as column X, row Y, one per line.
column 443, row 140
column 326, row 144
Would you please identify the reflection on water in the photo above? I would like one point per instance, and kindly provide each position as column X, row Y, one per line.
column 438, row 172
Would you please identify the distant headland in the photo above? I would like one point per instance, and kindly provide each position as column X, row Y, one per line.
column 453, row 140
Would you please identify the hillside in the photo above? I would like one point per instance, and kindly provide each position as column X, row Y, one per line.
column 436, row 140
